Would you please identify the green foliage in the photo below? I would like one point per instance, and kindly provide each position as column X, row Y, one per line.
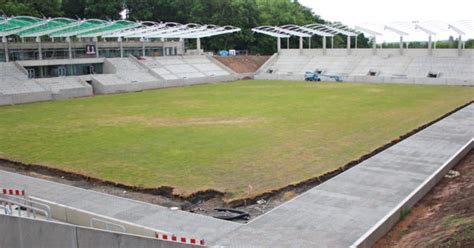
column 40, row 8
column 404, row 212
column 245, row 14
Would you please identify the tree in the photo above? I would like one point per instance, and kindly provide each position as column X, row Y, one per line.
column 38, row 8
column 245, row 14
column 74, row 8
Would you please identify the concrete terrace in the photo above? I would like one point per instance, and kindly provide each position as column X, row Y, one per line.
column 334, row 214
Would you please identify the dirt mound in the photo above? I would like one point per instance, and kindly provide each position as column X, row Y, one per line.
column 443, row 218
column 243, row 64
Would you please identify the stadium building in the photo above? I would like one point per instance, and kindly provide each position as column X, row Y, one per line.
column 343, row 206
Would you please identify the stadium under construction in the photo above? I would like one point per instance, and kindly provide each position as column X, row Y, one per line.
column 46, row 59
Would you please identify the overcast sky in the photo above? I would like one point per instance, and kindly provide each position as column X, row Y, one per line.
column 360, row 11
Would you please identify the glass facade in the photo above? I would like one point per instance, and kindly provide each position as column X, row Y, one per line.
column 64, row 70
column 60, row 50
column 53, row 53
column 2, row 56
column 23, row 54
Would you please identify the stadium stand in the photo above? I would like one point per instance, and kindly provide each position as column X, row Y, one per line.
column 387, row 67
column 66, row 87
column 119, row 75
column 123, row 75
column 188, row 70
column 16, row 88
column 131, row 74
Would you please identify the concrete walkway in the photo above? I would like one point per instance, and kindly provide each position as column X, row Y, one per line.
column 334, row 214
column 140, row 213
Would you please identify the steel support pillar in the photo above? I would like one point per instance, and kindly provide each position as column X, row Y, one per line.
column 348, row 45
column 96, row 42
column 460, row 45
column 430, row 46
column 198, row 45
column 324, row 45
column 401, row 45
column 5, row 42
column 40, row 48
column 301, row 45
column 374, row 46
column 143, row 47
column 121, row 46
column 69, row 47
column 278, row 44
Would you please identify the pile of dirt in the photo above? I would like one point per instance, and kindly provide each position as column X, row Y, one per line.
column 443, row 218
column 243, row 64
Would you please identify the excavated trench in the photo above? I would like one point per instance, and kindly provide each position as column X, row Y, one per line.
column 200, row 202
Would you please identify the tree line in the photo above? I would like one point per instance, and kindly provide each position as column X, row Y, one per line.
column 245, row 14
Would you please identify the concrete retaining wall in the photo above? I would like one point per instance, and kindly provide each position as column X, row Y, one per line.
column 385, row 224
column 222, row 66
column 267, row 64
column 31, row 97
column 374, row 79
column 413, row 52
column 101, row 88
column 22, row 232
column 85, row 90
column 83, row 218
column 6, row 100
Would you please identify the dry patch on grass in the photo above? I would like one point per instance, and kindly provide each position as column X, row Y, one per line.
column 375, row 90
column 177, row 122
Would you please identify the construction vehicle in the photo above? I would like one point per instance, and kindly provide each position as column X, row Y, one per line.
column 316, row 76
column 311, row 76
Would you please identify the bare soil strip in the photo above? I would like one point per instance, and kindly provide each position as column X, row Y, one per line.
column 444, row 217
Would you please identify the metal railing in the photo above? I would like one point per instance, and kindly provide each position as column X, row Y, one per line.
column 108, row 225
column 31, row 208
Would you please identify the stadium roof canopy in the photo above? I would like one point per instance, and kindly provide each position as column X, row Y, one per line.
column 326, row 30
column 411, row 30
column 26, row 26
column 416, row 31
column 173, row 30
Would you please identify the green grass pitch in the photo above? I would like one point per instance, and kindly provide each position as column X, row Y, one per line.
column 222, row 136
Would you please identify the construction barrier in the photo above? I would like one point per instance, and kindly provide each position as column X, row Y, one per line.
column 181, row 239
column 17, row 192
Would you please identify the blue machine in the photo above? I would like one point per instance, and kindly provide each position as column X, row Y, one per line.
column 313, row 76
column 223, row 53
